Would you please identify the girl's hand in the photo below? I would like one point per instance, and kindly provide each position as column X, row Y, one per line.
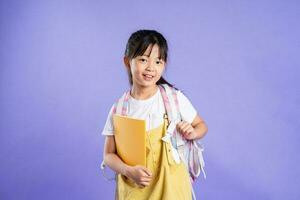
column 186, row 130
column 140, row 175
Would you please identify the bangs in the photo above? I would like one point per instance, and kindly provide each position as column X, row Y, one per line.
column 141, row 49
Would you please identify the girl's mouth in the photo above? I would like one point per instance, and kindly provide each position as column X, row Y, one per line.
column 148, row 77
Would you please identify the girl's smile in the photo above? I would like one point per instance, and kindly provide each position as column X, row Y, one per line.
column 148, row 77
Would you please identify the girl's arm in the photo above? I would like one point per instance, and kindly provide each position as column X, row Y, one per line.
column 141, row 175
column 192, row 126
column 111, row 159
column 200, row 128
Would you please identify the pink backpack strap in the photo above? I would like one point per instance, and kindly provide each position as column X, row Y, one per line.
column 125, row 103
column 166, row 102
column 121, row 106
column 114, row 108
column 175, row 99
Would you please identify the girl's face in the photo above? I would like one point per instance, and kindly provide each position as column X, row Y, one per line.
column 147, row 69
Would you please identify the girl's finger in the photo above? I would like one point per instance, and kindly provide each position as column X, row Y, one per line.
column 147, row 171
column 140, row 185
column 186, row 127
column 143, row 183
column 178, row 128
column 187, row 134
column 181, row 123
column 190, row 130
column 190, row 135
column 181, row 126
column 146, row 179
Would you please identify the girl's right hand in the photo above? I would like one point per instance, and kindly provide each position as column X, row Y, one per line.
column 140, row 175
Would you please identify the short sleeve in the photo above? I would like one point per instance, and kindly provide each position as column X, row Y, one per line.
column 187, row 110
column 108, row 127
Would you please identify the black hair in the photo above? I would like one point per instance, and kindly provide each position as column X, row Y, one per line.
column 138, row 43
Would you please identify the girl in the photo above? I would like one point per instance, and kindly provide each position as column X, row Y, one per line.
column 145, row 60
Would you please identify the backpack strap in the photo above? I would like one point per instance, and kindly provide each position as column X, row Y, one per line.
column 170, row 135
column 169, row 104
column 183, row 146
column 121, row 106
column 176, row 117
column 114, row 109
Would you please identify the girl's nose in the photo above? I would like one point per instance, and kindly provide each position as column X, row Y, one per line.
column 150, row 67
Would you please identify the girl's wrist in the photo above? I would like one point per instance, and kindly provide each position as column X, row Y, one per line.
column 126, row 170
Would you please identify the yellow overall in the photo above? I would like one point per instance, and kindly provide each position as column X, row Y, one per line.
column 170, row 181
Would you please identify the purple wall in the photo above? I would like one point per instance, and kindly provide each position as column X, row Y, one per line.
column 61, row 69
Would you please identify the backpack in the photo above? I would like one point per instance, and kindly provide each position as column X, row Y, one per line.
column 188, row 151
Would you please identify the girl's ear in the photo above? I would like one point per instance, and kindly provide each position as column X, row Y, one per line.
column 126, row 62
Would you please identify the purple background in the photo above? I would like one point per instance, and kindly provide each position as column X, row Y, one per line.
column 61, row 70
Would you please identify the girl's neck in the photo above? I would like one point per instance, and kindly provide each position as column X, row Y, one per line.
column 142, row 93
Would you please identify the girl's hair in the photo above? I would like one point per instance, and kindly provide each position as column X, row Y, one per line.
column 138, row 43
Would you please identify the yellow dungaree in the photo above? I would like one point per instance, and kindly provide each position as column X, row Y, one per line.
column 170, row 181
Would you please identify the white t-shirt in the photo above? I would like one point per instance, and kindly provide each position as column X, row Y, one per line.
column 152, row 110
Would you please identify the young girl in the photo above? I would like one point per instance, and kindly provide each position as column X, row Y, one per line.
column 145, row 60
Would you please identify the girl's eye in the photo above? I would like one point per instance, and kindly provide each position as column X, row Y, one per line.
column 142, row 59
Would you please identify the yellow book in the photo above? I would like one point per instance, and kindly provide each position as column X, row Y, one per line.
column 130, row 137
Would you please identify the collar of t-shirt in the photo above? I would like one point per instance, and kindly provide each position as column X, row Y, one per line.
column 139, row 102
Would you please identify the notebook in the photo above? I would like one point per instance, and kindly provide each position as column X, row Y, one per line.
column 130, row 137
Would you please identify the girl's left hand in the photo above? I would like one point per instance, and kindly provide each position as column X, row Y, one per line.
column 186, row 129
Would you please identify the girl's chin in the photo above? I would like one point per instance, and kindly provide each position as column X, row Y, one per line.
column 147, row 83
